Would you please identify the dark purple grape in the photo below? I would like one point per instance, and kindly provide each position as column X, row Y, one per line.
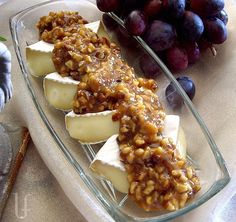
column 204, row 44
column 152, row 7
column 109, row 23
column 215, row 30
column 176, row 58
column 207, row 8
column 108, row 5
column 160, row 36
column 187, row 5
column 193, row 52
column 124, row 38
column 133, row 4
column 136, row 22
column 172, row 95
column 174, row 9
column 222, row 15
column 149, row 67
column 128, row 6
column 191, row 27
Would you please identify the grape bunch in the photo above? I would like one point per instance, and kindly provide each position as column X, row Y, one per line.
column 173, row 27
column 177, row 30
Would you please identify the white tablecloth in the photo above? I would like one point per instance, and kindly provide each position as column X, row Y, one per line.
column 215, row 100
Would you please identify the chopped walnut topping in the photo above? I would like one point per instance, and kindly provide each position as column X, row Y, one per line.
column 57, row 25
column 159, row 177
column 83, row 53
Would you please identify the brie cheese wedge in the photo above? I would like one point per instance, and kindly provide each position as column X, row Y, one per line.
column 60, row 91
column 107, row 162
column 91, row 127
column 181, row 143
column 39, row 58
column 39, row 54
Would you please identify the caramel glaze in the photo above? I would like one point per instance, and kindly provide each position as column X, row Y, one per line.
column 56, row 25
column 159, row 178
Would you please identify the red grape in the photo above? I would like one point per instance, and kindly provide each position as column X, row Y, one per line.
column 136, row 22
column 215, row 30
column 149, row 67
column 207, row 8
column 174, row 9
column 160, row 35
column 173, row 97
column 152, row 7
column 108, row 5
column 176, row 58
column 191, row 28
column 193, row 52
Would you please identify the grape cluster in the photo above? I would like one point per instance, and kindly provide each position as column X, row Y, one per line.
column 177, row 30
column 173, row 27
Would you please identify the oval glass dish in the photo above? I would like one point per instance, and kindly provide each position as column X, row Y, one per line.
column 201, row 148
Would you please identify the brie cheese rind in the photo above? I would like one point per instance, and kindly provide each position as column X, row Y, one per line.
column 60, row 91
column 107, row 162
column 39, row 58
column 39, row 54
column 91, row 127
column 171, row 127
column 94, row 26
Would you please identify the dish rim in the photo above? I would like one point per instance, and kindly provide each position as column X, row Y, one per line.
column 109, row 206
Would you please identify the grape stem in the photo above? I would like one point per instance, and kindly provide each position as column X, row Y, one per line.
column 213, row 50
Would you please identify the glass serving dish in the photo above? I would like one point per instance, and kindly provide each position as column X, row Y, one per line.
column 201, row 149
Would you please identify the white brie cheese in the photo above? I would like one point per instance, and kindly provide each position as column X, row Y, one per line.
column 107, row 162
column 39, row 54
column 99, row 28
column 181, row 143
column 91, row 127
column 60, row 91
column 171, row 127
column 94, row 26
column 39, row 58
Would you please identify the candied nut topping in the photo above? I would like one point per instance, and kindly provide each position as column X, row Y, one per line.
column 82, row 53
column 57, row 25
column 159, row 178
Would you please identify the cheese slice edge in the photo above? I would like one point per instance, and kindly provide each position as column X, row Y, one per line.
column 107, row 162
column 39, row 54
column 91, row 127
column 60, row 91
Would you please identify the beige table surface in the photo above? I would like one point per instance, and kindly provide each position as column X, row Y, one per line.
column 215, row 100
